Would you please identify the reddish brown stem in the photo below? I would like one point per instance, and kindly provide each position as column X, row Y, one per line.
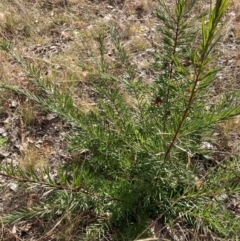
column 184, row 116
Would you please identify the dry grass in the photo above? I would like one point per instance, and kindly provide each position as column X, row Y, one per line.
column 31, row 158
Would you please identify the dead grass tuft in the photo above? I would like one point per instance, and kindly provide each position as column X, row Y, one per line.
column 31, row 158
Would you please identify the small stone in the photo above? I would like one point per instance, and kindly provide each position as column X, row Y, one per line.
column 13, row 186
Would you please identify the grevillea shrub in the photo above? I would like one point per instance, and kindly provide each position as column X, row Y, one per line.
column 145, row 161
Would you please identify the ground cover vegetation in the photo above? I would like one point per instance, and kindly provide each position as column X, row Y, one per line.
column 145, row 135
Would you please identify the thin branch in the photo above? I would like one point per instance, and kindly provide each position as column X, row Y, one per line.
column 59, row 187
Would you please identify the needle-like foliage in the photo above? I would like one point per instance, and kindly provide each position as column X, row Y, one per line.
column 137, row 162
